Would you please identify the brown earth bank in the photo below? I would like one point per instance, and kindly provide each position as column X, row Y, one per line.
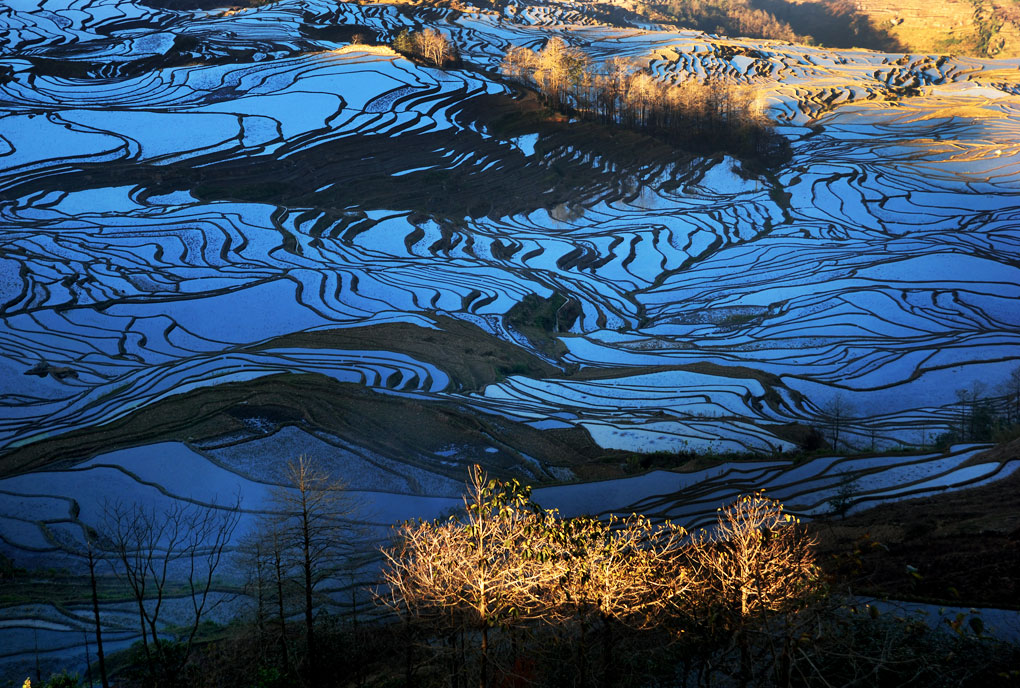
column 959, row 548
column 471, row 357
column 392, row 425
column 398, row 426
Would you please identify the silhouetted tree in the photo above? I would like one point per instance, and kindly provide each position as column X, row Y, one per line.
column 837, row 412
column 309, row 534
column 161, row 553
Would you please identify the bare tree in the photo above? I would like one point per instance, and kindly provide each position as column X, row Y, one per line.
column 88, row 548
column 968, row 399
column 620, row 92
column 615, row 573
column 1010, row 388
column 309, row 532
column 164, row 554
column 507, row 563
column 838, row 411
column 261, row 553
column 430, row 45
column 472, row 572
column 758, row 556
column 433, row 46
column 758, row 561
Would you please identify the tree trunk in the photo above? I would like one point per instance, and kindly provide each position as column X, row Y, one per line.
column 582, row 653
column 145, row 637
column 88, row 658
column 95, row 613
column 408, row 665
column 306, row 550
column 608, row 669
column 283, row 617
column 744, row 679
column 483, row 680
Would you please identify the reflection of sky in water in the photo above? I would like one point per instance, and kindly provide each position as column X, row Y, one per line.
column 840, row 282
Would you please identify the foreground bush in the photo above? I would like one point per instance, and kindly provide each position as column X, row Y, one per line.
column 587, row 588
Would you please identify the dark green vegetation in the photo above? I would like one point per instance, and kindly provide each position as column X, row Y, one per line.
column 543, row 320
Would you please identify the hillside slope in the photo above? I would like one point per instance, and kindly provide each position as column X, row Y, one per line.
column 981, row 28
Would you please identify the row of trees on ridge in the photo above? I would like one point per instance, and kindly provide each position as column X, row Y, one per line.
column 712, row 113
column 428, row 45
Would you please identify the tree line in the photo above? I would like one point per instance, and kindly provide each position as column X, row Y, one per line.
column 428, row 45
column 177, row 565
column 984, row 417
column 982, row 412
column 500, row 593
column 711, row 113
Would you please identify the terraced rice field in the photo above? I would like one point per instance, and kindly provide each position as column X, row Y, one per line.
column 229, row 237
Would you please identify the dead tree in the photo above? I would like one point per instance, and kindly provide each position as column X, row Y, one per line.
column 308, row 534
column 89, row 548
column 163, row 554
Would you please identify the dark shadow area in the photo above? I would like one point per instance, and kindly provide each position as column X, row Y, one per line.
column 834, row 23
column 573, row 164
column 964, row 550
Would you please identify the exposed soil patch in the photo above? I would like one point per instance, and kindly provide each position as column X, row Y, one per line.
column 470, row 356
column 1000, row 452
